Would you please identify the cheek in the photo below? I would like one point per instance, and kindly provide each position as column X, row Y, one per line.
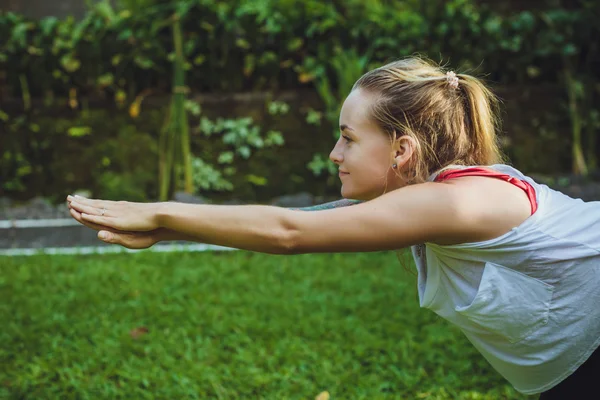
column 368, row 166
column 369, row 177
column 374, row 169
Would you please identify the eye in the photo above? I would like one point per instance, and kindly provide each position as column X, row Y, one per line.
column 347, row 139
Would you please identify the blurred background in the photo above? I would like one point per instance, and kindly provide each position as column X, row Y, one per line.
column 235, row 102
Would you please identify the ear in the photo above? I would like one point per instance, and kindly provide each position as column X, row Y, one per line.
column 403, row 149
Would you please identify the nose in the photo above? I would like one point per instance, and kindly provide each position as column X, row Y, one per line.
column 336, row 154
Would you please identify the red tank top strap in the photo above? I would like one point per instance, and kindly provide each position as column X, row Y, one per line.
column 479, row 171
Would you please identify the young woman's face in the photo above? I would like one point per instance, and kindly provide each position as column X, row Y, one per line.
column 363, row 152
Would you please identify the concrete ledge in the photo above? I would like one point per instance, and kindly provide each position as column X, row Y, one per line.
column 67, row 236
column 44, row 233
column 36, row 223
column 111, row 249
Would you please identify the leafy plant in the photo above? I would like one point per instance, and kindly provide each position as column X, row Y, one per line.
column 207, row 177
column 240, row 137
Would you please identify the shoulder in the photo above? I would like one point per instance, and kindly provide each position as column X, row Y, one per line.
column 493, row 206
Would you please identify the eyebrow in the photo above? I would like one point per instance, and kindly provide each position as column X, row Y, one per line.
column 343, row 127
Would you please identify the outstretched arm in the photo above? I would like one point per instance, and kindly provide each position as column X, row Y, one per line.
column 167, row 234
column 414, row 214
column 144, row 239
column 420, row 213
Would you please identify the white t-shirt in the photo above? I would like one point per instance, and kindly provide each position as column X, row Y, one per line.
column 528, row 300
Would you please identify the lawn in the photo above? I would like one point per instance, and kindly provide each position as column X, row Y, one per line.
column 228, row 325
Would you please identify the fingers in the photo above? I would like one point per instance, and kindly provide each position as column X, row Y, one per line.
column 77, row 216
column 122, row 216
column 86, row 215
column 92, row 214
column 128, row 240
column 99, row 220
column 108, row 237
column 87, row 209
column 88, row 202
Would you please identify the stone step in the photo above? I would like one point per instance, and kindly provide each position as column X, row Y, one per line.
column 67, row 236
column 44, row 233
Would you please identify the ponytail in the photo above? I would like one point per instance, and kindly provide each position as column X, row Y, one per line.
column 481, row 110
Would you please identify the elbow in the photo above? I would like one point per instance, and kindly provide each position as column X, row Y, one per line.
column 288, row 238
column 287, row 243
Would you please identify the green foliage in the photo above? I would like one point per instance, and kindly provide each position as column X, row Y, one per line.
column 127, row 52
column 564, row 40
column 125, row 170
column 229, row 325
column 207, row 177
column 15, row 165
column 278, row 107
column 240, row 137
column 313, row 117
column 262, row 45
column 115, row 158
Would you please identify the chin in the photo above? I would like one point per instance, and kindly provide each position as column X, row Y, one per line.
column 346, row 194
column 353, row 195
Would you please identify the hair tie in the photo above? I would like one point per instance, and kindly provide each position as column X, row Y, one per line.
column 452, row 79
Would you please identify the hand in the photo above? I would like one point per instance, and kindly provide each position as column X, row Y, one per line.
column 119, row 215
column 130, row 240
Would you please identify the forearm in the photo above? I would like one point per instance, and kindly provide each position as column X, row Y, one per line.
column 166, row 235
column 249, row 227
column 185, row 234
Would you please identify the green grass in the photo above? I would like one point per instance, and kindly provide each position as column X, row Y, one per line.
column 230, row 325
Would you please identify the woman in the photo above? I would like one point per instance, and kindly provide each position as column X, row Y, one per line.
column 514, row 264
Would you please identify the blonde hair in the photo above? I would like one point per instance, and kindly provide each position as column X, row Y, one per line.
column 451, row 125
